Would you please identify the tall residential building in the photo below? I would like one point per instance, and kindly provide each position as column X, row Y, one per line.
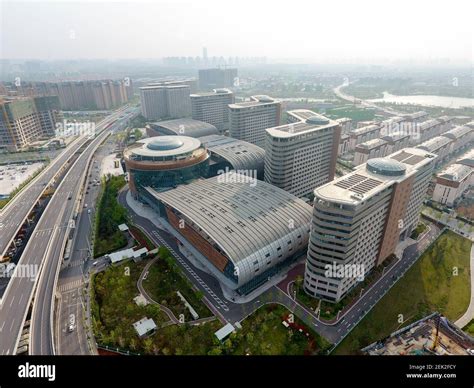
column 212, row 107
column 302, row 155
column 49, row 114
column 165, row 101
column 101, row 94
column 26, row 120
column 359, row 218
column 248, row 120
column 80, row 95
column 216, row 78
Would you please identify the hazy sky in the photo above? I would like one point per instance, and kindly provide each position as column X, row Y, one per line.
column 312, row 29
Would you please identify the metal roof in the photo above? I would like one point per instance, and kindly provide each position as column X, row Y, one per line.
column 435, row 143
column 240, row 214
column 456, row 172
column 458, row 132
column 144, row 326
column 240, row 154
column 370, row 144
column 186, row 127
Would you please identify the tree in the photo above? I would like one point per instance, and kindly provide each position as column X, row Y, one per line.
column 148, row 345
column 298, row 282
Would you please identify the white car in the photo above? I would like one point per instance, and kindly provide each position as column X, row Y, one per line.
column 72, row 322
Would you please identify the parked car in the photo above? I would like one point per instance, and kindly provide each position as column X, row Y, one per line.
column 71, row 322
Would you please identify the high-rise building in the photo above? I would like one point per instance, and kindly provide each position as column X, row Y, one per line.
column 26, row 120
column 49, row 114
column 191, row 82
column 248, row 120
column 359, row 219
column 302, row 155
column 216, row 78
column 159, row 101
column 212, row 107
column 81, row 95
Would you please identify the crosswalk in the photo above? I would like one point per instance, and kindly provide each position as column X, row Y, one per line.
column 75, row 263
column 221, row 304
column 70, row 285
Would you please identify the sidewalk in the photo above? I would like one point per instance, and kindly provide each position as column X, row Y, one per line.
column 469, row 314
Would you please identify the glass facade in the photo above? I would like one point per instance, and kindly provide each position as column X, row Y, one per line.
column 161, row 180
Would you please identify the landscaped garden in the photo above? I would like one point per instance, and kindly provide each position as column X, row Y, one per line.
column 164, row 278
column 420, row 229
column 110, row 214
column 263, row 333
column 114, row 312
column 438, row 281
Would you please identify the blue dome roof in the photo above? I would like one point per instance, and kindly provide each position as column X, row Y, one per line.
column 317, row 120
column 165, row 144
column 385, row 166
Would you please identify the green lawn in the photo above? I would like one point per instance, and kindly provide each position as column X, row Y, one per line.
column 263, row 333
column 114, row 312
column 469, row 328
column 428, row 286
column 110, row 215
column 350, row 111
column 164, row 279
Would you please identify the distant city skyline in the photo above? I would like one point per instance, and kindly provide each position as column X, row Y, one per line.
column 299, row 32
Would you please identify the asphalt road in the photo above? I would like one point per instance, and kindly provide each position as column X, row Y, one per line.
column 338, row 92
column 15, row 213
column 71, row 277
column 41, row 253
column 42, row 322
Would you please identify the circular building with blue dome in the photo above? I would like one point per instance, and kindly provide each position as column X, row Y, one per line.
column 164, row 162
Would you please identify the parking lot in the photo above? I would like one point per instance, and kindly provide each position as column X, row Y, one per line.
column 13, row 175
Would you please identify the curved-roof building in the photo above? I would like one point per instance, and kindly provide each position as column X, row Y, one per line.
column 181, row 127
column 245, row 229
column 234, row 154
column 164, row 162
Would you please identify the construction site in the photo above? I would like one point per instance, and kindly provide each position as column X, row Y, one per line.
column 432, row 335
